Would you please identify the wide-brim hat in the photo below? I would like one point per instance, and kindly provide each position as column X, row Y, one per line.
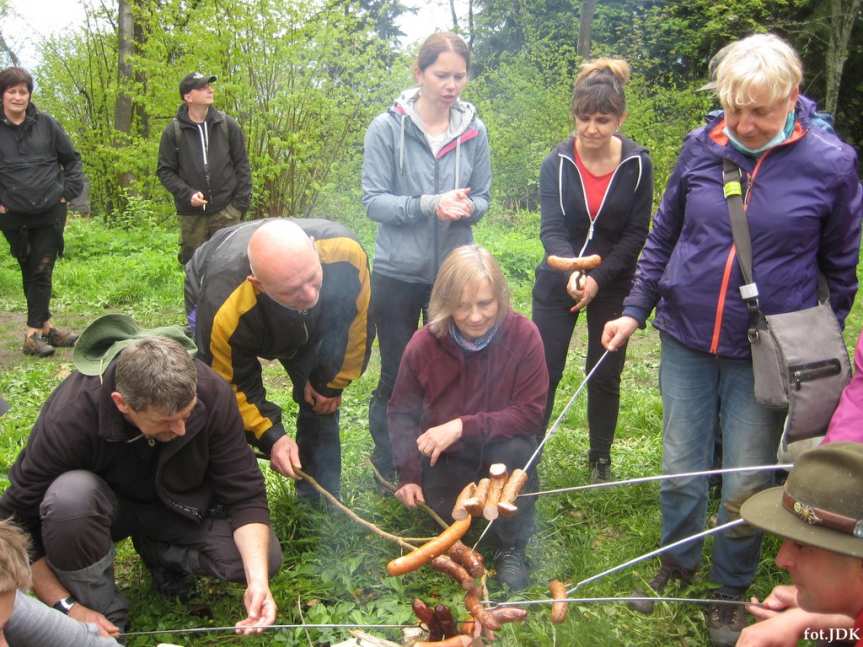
column 820, row 504
column 103, row 339
column 193, row 81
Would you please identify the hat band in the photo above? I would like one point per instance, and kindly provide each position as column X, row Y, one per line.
column 815, row 516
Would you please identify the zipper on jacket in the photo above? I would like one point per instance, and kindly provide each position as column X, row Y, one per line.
column 584, row 193
column 729, row 262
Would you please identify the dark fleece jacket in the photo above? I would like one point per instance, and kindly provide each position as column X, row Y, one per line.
column 498, row 392
column 80, row 427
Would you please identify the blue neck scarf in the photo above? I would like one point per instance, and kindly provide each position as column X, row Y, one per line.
column 778, row 138
column 471, row 345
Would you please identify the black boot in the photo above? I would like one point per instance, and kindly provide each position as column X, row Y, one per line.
column 600, row 469
column 666, row 573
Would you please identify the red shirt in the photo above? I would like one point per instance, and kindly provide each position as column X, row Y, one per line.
column 858, row 626
column 595, row 186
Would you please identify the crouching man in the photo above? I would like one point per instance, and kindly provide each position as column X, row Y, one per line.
column 151, row 448
column 819, row 514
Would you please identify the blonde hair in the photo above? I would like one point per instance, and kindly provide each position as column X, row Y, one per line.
column 762, row 61
column 464, row 265
column 14, row 562
column 598, row 87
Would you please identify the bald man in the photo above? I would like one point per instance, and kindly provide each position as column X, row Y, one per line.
column 296, row 291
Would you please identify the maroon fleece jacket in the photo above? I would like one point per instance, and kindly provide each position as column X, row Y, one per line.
column 498, row 392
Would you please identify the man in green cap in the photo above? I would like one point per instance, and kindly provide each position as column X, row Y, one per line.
column 142, row 441
column 819, row 514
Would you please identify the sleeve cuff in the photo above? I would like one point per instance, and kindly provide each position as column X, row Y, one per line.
column 639, row 314
column 429, row 204
column 268, row 438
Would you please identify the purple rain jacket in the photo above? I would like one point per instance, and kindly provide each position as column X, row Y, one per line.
column 803, row 201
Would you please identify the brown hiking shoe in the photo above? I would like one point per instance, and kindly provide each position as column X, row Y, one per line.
column 724, row 621
column 667, row 572
column 35, row 345
column 60, row 338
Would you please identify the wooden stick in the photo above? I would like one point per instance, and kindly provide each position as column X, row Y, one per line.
column 497, row 472
column 476, row 503
column 458, row 510
column 353, row 515
column 506, row 505
column 392, row 488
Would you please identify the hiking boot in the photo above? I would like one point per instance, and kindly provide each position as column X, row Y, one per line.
column 172, row 583
column 600, row 469
column 667, row 572
column 60, row 338
column 510, row 568
column 35, row 345
column 725, row 621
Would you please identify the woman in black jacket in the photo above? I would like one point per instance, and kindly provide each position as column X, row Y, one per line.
column 596, row 191
column 39, row 172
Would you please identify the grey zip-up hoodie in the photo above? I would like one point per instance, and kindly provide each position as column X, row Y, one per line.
column 399, row 169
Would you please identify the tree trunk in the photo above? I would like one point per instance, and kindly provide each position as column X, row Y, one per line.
column 123, row 103
column 585, row 26
column 454, row 15
column 843, row 14
column 4, row 47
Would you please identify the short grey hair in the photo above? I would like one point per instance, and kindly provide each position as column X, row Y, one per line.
column 762, row 61
column 158, row 372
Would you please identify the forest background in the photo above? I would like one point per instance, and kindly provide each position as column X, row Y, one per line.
column 304, row 78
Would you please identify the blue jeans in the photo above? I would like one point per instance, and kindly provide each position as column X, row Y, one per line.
column 702, row 395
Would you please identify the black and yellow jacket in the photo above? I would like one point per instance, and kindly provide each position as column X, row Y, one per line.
column 235, row 323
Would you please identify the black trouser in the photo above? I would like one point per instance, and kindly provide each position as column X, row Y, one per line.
column 443, row 482
column 551, row 314
column 395, row 310
column 36, row 249
column 82, row 517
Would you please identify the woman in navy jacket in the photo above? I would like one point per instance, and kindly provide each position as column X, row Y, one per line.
column 596, row 192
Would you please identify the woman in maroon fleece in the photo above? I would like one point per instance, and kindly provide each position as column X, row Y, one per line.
column 470, row 391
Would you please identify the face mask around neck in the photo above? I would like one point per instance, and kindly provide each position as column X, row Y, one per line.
column 777, row 139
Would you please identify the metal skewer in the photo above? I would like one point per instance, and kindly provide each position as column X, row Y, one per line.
column 621, row 600
column 661, row 477
column 552, row 430
column 654, row 553
column 201, row 630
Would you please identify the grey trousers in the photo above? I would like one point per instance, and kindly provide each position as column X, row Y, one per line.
column 82, row 518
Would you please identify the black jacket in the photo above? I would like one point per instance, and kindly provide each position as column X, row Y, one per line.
column 620, row 227
column 328, row 345
column 226, row 179
column 38, row 167
column 80, row 427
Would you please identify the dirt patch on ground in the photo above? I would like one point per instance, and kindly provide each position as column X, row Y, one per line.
column 12, row 326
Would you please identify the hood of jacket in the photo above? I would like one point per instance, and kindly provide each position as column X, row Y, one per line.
column 213, row 115
column 461, row 113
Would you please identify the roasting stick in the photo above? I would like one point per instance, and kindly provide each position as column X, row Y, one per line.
column 661, row 477
column 552, row 430
column 625, row 599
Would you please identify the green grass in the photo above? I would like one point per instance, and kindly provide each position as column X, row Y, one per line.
column 334, row 570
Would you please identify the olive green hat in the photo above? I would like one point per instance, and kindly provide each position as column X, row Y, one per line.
column 821, row 503
column 103, row 339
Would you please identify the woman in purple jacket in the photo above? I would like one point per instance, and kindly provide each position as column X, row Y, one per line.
column 470, row 392
column 803, row 204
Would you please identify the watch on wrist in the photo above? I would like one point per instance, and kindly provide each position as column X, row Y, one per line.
column 64, row 605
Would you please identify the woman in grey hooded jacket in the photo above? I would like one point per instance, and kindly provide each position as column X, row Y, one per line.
column 426, row 180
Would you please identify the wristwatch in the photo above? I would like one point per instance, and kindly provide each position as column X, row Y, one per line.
column 64, row 605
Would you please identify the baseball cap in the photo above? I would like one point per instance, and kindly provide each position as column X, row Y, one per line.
column 194, row 81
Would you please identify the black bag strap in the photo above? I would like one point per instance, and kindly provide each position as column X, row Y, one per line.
column 732, row 187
